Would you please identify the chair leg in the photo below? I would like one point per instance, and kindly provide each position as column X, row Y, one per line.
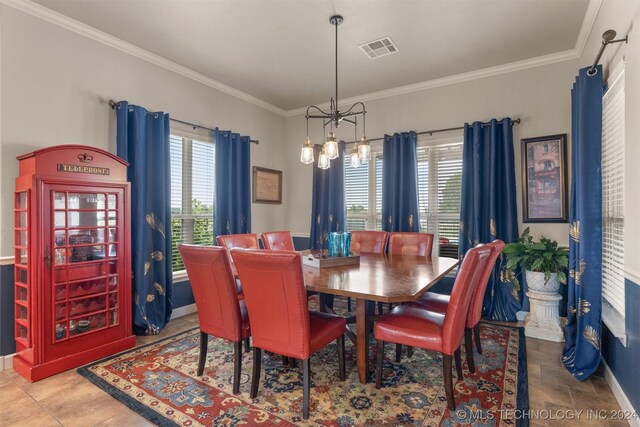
column 448, row 381
column 255, row 379
column 379, row 361
column 380, row 308
column 306, row 371
column 468, row 349
column 204, row 340
column 409, row 352
column 398, row 352
column 349, row 304
column 458, row 359
column 285, row 360
column 247, row 346
column 341, row 371
column 237, row 366
column 476, row 333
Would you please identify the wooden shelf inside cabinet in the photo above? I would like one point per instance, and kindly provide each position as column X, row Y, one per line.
column 73, row 263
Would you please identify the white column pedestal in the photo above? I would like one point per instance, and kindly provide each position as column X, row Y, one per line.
column 543, row 320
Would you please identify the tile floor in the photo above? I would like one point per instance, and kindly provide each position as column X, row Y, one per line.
column 70, row 400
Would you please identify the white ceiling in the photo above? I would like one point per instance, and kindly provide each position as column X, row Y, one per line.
column 282, row 51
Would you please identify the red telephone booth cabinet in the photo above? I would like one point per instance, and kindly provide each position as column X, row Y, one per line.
column 72, row 259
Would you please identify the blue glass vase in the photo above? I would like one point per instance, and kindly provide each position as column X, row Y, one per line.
column 335, row 244
column 346, row 243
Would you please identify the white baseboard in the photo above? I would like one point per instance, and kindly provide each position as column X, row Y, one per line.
column 620, row 395
column 183, row 311
column 6, row 362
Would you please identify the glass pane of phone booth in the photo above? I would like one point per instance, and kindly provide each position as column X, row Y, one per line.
column 85, row 273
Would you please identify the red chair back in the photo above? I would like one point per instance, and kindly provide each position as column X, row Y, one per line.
column 276, row 300
column 214, row 289
column 456, row 314
column 475, row 306
column 247, row 241
column 277, row 241
column 369, row 242
column 419, row 244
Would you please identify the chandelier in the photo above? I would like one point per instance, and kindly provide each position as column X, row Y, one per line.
column 361, row 153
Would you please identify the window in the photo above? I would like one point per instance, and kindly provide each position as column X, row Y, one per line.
column 439, row 183
column 192, row 193
column 613, row 158
column 439, row 189
column 363, row 193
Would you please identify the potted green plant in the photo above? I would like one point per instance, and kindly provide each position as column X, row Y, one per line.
column 543, row 262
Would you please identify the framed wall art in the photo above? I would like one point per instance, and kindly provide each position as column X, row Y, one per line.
column 544, row 181
column 267, row 185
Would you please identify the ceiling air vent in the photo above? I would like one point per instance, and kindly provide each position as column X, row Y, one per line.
column 377, row 48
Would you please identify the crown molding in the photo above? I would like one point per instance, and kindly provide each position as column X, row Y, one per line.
column 88, row 31
column 587, row 25
column 456, row 78
column 583, row 36
column 78, row 27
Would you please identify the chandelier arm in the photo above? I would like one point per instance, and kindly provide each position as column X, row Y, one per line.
column 348, row 112
column 353, row 122
column 320, row 110
column 324, row 116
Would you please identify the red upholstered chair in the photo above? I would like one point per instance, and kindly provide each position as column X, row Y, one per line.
column 229, row 241
column 416, row 327
column 220, row 312
column 438, row 303
column 247, row 241
column 281, row 322
column 277, row 240
column 411, row 244
column 369, row 242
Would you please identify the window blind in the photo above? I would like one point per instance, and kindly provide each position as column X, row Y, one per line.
column 192, row 194
column 613, row 159
column 439, row 185
column 363, row 194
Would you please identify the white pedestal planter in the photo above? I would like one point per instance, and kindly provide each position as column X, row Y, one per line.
column 543, row 320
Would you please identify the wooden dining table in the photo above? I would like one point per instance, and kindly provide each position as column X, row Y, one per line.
column 378, row 278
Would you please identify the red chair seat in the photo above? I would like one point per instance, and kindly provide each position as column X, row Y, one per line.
column 411, row 326
column 324, row 328
column 433, row 301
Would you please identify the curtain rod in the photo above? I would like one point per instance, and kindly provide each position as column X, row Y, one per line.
column 607, row 38
column 431, row 132
column 113, row 104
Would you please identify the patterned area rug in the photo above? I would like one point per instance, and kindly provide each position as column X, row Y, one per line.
column 159, row 382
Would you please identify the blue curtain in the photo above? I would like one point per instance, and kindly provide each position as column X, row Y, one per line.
column 581, row 354
column 488, row 206
column 400, row 183
column 233, row 183
column 327, row 206
column 143, row 141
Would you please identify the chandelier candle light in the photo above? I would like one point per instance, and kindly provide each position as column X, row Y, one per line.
column 361, row 152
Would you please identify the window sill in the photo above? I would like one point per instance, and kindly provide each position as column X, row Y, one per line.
column 615, row 322
column 180, row 276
